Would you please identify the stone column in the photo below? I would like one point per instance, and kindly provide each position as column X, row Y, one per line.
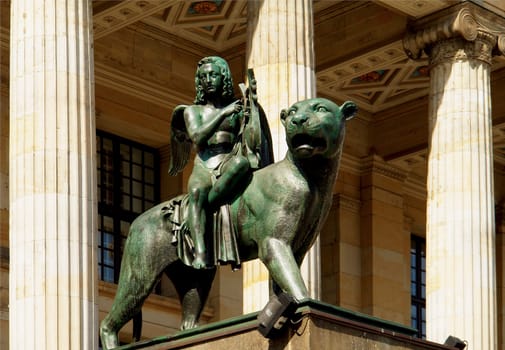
column 461, row 275
column 385, row 247
column 52, row 182
column 341, row 272
column 280, row 50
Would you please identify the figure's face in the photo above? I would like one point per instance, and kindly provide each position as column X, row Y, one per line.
column 210, row 78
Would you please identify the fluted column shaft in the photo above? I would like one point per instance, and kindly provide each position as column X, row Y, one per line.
column 461, row 273
column 52, row 182
column 461, row 290
column 281, row 52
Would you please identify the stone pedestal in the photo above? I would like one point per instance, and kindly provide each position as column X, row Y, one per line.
column 317, row 326
column 280, row 49
column 52, row 178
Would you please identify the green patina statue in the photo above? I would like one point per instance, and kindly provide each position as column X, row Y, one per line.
column 273, row 213
column 219, row 126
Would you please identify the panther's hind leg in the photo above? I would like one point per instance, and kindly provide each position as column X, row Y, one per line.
column 127, row 304
column 133, row 288
column 193, row 287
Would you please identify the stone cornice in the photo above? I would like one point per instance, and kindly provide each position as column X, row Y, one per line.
column 415, row 187
column 377, row 165
column 346, row 202
column 152, row 92
column 350, row 164
column 465, row 21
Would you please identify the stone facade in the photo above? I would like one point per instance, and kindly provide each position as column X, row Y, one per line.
column 424, row 156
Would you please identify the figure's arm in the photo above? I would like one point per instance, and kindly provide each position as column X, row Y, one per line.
column 201, row 129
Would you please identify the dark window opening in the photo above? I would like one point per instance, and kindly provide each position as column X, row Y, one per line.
column 128, row 184
column 418, row 285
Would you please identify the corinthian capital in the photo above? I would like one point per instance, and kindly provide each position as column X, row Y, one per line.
column 466, row 21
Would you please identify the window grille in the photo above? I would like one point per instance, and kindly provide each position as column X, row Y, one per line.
column 128, row 184
column 418, row 285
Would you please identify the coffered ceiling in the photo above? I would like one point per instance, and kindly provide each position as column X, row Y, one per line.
column 218, row 25
column 369, row 67
column 377, row 79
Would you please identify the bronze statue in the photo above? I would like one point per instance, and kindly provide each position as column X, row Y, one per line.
column 278, row 216
column 213, row 125
column 216, row 126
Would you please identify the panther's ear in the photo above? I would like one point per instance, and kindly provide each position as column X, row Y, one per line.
column 349, row 109
column 284, row 115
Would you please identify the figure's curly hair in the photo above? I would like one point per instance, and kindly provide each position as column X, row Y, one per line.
column 225, row 73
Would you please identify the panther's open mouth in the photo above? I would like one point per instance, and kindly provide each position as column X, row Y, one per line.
column 302, row 142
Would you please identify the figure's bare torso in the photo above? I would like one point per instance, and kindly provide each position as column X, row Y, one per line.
column 223, row 139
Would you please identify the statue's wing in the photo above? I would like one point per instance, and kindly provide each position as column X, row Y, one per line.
column 180, row 143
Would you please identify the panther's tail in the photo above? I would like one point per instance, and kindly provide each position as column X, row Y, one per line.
column 137, row 326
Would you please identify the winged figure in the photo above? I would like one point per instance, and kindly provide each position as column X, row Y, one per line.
column 232, row 139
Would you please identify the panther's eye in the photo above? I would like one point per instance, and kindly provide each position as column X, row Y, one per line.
column 321, row 109
column 292, row 112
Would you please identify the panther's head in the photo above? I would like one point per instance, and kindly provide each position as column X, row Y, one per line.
column 316, row 127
